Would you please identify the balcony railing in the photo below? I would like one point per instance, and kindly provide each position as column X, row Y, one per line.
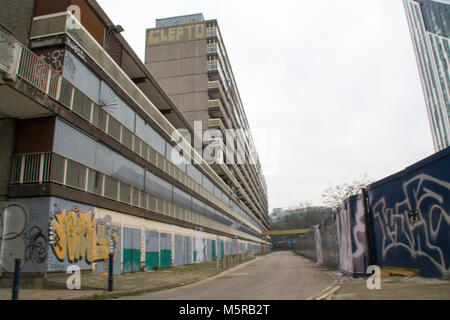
column 216, row 108
column 49, row 167
column 212, row 48
column 217, row 124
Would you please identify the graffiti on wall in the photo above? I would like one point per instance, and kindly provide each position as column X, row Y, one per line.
column 359, row 238
column 20, row 238
column 75, row 236
column 54, row 57
column 199, row 248
column 345, row 240
column 419, row 223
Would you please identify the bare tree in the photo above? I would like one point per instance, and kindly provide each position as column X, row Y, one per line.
column 296, row 220
column 335, row 196
column 304, row 205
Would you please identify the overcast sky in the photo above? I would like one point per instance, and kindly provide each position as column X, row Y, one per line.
column 336, row 81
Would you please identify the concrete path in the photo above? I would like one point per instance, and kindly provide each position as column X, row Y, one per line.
column 277, row 276
column 395, row 288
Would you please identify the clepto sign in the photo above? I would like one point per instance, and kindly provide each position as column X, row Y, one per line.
column 183, row 33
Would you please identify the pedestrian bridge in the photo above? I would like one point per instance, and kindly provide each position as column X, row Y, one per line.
column 285, row 232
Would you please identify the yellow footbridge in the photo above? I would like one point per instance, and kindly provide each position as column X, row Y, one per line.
column 285, row 232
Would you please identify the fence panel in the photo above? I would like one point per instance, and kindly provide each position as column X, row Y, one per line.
column 409, row 214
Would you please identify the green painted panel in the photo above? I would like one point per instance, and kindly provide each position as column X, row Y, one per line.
column 213, row 254
column 222, row 248
column 127, row 260
column 151, row 260
column 136, row 260
column 195, row 256
column 166, row 258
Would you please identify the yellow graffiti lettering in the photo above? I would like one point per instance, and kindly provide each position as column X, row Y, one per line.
column 73, row 235
column 172, row 34
column 153, row 36
column 59, row 243
column 200, row 31
column 180, row 32
column 190, row 31
column 162, row 35
column 77, row 238
column 91, row 240
column 103, row 243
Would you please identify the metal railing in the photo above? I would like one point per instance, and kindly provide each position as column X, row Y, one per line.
column 36, row 72
column 38, row 168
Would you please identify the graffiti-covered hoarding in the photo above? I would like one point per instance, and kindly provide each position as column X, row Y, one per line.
column 24, row 234
column 49, row 234
column 327, row 243
column 360, row 253
column 77, row 237
column 344, row 239
column 410, row 217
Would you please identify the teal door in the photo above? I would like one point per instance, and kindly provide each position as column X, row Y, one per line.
column 166, row 250
column 213, row 247
column 131, row 250
column 152, row 250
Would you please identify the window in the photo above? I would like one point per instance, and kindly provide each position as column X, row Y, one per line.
column 211, row 32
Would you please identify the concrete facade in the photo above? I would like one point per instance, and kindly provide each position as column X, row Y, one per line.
column 18, row 17
column 193, row 68
column 181, row 70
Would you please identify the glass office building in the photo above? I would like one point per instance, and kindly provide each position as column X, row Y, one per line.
column 429, row 23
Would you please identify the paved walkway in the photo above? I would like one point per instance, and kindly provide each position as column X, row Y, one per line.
column 94, row 286
column 279, row 276
column 394, row 288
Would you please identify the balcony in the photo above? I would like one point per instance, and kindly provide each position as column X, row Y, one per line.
column 243, row 181
column 15, row 64
column 44, row 168
column 217, row 124
column 216, row 90
column 211, row 32
column 223, row 170
column 215, row 86
column 216, row 109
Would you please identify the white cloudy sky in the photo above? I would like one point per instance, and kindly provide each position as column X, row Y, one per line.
column 337, row 82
